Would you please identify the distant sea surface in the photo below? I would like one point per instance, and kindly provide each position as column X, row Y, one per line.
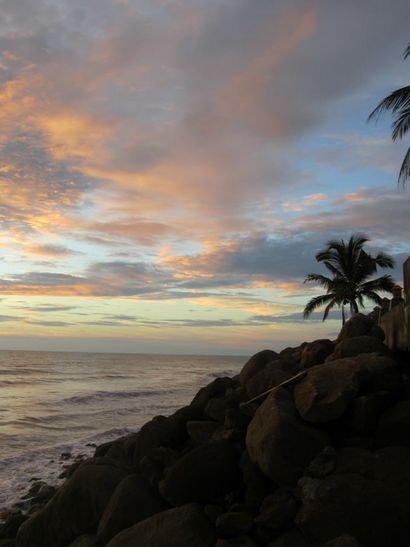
column 53, row 403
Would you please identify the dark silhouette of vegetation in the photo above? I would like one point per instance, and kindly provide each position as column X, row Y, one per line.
column 399, row 104
column 352, row 281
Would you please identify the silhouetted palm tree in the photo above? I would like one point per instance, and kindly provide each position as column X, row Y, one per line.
column 352, row 268
column 399, row 104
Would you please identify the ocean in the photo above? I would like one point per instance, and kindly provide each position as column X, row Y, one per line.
column 66, row 403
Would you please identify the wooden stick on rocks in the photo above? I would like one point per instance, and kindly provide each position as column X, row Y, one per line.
column 288, row 382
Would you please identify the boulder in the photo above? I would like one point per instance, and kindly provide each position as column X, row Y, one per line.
column 293, row 538
column 394, row 426
column 278, row 511
column 324, row 393
column 201, row 431
column 176, row 527
column 278, row 440
column 365, row 411
column 316, row 352
column 360, row 325
column 75, row 509
column 342, row 541
column 233, row 523
column 11, row 524
column 217, row 388
column 355, row 460
column 256, row 485
column 272, row 375
column 132, row 501
column 323, row 464
column 350, row 347
column 85, row 541
column 255, row 364
column 240, row 541
column 164, row 431
column 204, row 474
column 369, row 510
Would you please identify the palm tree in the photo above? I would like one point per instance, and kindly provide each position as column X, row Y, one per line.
column 399, row 104
column 352, row 269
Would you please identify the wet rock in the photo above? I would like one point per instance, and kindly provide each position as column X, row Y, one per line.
column 75, row 509
column 132, row 501
column 278, row 440
column 176, row 527
column 12, row 522
column 202, row 475
column 316, row 352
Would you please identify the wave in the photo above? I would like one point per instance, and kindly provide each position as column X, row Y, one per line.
column 103, row 395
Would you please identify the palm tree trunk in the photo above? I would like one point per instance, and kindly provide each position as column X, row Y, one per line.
column 343, row 315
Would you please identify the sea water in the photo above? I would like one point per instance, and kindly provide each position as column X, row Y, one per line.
column 66, row 403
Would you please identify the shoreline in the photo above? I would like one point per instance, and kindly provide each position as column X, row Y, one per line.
column 220, row 473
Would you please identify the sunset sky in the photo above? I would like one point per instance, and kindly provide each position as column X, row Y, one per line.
column 169, row 168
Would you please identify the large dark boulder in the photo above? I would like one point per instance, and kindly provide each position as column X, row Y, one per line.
column 293, row 538
column 394, row 426
column 87, row 540
column 217, row 388
column 278, row 511
column 326, row 390
column 233, row 523
column 204, row 474
column 272, row 375
column 164, row 431
column 255, row 364
column 316, row 352
column 132, row 501
column 279, row 441
column 342, row 541
column 178, row 527
column 350, row 347
column 360, row 325
column 369, row 510
column 75, row 509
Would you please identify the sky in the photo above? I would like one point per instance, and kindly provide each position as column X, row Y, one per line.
column 169, row 168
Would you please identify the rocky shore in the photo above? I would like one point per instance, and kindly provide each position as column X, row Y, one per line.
column 322, row 460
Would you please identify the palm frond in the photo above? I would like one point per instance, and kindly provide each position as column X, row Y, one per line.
column 315, row 303
column 322, row 280
column 397, row 100
column 404, row 173
column 383, row 283
column 383, row 260
column 401, row 124
column 407, row 51
column 328, row 308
